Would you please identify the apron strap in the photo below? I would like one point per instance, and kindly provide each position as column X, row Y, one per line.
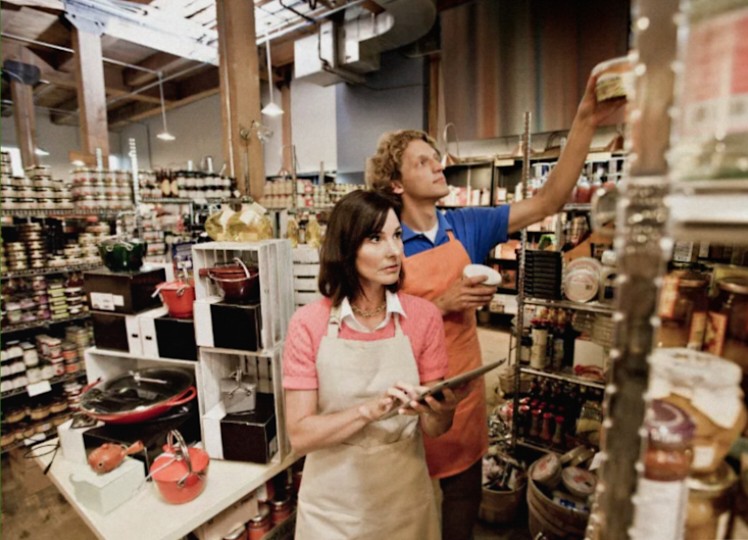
column 333, row 323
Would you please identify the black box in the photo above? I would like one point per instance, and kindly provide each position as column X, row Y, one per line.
column 123, row 292
column 176, row 338
column 114, row 331
column 251, row 436
column 152, row 433
column 236, row 326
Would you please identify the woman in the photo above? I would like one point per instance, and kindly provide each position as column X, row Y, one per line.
column 353, row 363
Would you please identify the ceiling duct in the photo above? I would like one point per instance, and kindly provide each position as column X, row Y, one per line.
column 342, row 51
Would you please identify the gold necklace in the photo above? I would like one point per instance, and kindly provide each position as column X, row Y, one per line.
column 369, row 312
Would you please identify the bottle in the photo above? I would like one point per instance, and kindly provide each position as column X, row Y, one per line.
column 292, row 231
column 662, row 492
column 313, row 232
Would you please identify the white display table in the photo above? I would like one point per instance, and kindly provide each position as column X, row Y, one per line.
column 147, row 517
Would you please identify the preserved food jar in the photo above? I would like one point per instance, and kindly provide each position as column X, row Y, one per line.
column 711, row 135
column 710, row 500
column 280, row 510
column 727, row 321
column 260, row 525
column 661, row 494
column 707, row 388
column 682, row 310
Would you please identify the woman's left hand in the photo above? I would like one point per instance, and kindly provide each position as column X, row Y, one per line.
column 408, row 395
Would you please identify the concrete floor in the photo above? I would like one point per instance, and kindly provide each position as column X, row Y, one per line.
column 32, row 508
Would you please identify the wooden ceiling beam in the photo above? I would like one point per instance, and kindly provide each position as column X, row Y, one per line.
column 163, row 62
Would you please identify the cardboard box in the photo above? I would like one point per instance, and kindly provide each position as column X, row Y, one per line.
column 103, row 493
column 128, row 333
column 226, row 325
column 251, row 436
column 175, row 338
column 123, row 292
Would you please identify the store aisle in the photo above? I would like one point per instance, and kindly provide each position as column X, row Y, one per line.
column 32, row 507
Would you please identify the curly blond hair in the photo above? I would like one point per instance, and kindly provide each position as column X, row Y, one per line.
column 384, row 166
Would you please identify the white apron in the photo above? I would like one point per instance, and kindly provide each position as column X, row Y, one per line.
column 375, row 485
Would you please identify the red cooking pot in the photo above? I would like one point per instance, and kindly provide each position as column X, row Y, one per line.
column 138, row 395
column 180, row 471
column 237, row 281
column 178, row 296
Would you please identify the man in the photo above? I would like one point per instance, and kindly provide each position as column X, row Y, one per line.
column 437, row 248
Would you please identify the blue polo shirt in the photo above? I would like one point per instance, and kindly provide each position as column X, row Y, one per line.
column 477, row 229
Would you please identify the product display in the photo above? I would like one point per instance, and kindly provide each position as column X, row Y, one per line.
column 144, row 312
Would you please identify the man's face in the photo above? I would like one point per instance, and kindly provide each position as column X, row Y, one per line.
column 422, row 175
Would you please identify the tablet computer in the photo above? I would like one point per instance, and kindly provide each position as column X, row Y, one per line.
column 458, row 380
column 452, row 382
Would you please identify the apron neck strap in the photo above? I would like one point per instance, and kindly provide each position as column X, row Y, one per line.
column 333, row 323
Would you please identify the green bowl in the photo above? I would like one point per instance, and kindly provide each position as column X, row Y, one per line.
column 122, row 256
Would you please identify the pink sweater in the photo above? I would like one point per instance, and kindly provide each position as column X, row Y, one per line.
column 423, row 326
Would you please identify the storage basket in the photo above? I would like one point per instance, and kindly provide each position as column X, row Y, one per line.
column 500, row 507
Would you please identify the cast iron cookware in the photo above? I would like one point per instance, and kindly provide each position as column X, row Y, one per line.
column 138, row 395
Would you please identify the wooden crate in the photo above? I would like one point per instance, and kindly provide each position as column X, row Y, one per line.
column 216, row 364
column 305, row 272
column 273, row 258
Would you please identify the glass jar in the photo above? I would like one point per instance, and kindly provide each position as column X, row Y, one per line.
column 682, row 310
column 711, row 139
column 260, row 525
column 707, row 388
column 661, row 493
column 280, row 510
column 727, row 321
column 710, row 501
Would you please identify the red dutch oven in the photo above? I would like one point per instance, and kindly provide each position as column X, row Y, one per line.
column 179, row 473
column 178, row 296
column 138, row 395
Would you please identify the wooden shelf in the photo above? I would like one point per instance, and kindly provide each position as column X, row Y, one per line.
column 227, row 482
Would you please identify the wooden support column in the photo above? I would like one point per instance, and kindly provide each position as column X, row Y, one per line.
column 434, row 63
column 240, row 94
column 89, row 71
column 288, row 154
column 25, row 121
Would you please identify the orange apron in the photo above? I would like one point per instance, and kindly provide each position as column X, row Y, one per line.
column 428, row 274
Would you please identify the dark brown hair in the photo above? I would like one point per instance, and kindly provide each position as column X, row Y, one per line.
column 355, row 217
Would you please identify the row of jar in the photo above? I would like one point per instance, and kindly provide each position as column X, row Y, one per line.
column 19, row 433
column 104, row 177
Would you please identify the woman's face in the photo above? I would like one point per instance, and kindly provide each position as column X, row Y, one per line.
column 379, row 258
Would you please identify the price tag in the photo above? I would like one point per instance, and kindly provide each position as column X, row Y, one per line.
column 102, row 301
column 42, row 387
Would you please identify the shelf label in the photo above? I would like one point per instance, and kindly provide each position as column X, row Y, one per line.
column 42, row 387
column 102, row 301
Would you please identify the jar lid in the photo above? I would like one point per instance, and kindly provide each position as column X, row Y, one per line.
column 715, row 483
column 734, row 284
column 686, row 368
column 667, row 424
column 578, row 481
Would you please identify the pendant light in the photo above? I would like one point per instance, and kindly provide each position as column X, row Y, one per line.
column 164, row 135
column 271, row 109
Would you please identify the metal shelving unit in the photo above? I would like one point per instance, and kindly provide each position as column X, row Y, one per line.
column 61, row 212
column 563, row 376
column 50, row 271
column 53, row 381
column 594, row 307
column 41, row 324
